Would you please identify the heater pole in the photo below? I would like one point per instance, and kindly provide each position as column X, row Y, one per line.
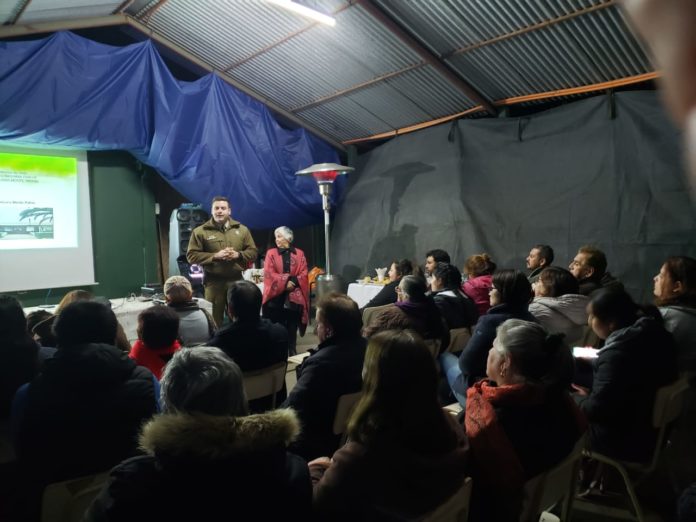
column 325, row 191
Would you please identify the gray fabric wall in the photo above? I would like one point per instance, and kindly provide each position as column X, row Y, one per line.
column 600, row 171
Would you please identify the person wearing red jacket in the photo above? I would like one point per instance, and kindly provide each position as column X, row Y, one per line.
column 158, row 328
column 286, row 287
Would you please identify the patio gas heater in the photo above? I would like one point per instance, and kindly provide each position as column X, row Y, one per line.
column 325, row 174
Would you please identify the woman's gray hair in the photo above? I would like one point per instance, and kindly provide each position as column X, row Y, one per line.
column 413, row 288
column 535, row 354
column 205, row 380
column 286, row 232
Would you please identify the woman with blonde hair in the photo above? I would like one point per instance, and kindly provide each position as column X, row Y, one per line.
column 479, row 271
column 405, row 455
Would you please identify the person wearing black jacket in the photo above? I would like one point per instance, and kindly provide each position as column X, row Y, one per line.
column 639, row 357
column 333, row 369
column 509, row 298
column 82, row 413
column 250, row 340
column 457, row 309
column 387, row 295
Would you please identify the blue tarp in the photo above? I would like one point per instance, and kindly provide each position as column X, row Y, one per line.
column 204, row 137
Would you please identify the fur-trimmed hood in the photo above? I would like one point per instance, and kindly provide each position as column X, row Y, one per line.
column 217, row 437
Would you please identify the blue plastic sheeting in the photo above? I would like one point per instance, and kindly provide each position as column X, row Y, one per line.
column 205, row 138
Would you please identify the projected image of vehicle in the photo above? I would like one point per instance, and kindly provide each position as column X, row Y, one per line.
column 30, row 223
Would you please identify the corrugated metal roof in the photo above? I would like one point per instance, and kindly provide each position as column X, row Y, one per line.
column 359, row 78
column 49, row 10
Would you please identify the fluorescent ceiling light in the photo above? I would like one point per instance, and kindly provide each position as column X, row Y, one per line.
column 305, row 11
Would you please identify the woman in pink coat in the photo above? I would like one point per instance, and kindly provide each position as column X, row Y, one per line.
column 286, row 287
column 479, row 270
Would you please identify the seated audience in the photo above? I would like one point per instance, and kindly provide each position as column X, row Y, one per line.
column 40, row 327
column 432, row 258
column 18, row 352
column 558, row 306
column 479, row 272
column 589, row 267
column 675, row 295
column 509, row 299
column 405, row 455
column 250, row 340
column 196, row 325
column 540, row 257
column 520, row 422
column 158, row 327
column 73, row 296
column 456, row 308
column 334, row 369
column 639, row 357
column 413, row 310
column 387, row 295
column 82, row 413
column 204, row 456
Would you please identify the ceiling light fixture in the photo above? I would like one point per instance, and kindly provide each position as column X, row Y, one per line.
column 305, row 11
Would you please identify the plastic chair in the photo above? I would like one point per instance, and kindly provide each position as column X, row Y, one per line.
column 265, row 382
column 669, row 403
column 344, row 408
column 557, row 485
column 455, row 508
column 68, row 501
column 459, row 337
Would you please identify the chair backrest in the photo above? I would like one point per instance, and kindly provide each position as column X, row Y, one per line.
column 670, row 401
column 68, row 501
column 344, row 408
column 455, row 508
column 266, row 381
column 459, row 337
column 553, row 486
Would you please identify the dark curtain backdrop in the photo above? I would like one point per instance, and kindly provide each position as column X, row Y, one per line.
column 606, row 171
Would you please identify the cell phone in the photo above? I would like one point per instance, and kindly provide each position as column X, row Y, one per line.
column 585, row 352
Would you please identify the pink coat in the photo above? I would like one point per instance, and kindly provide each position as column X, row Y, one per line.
column 275, row 281
column 477, row 289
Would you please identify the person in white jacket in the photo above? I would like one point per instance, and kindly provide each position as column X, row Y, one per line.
column 558, row 305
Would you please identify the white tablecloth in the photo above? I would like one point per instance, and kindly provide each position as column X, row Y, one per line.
column 362, row 293
column 127, row 310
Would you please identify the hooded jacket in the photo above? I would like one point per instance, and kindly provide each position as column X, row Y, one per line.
column 634, row 363
column 565, row 314
column 199, row 467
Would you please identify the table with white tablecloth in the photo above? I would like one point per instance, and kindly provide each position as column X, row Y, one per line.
column 126, row 310
column 362, row 293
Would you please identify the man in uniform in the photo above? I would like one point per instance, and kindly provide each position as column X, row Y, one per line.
column 223, row 247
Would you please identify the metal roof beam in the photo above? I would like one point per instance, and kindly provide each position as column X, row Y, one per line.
column 19, row 10
column 8, row 31
column 463, row 86
column 529, row 29
column 572, row 91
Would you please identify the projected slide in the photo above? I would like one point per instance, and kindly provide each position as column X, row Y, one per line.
column 38, row 201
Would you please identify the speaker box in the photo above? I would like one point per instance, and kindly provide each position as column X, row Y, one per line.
column 181, row 223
